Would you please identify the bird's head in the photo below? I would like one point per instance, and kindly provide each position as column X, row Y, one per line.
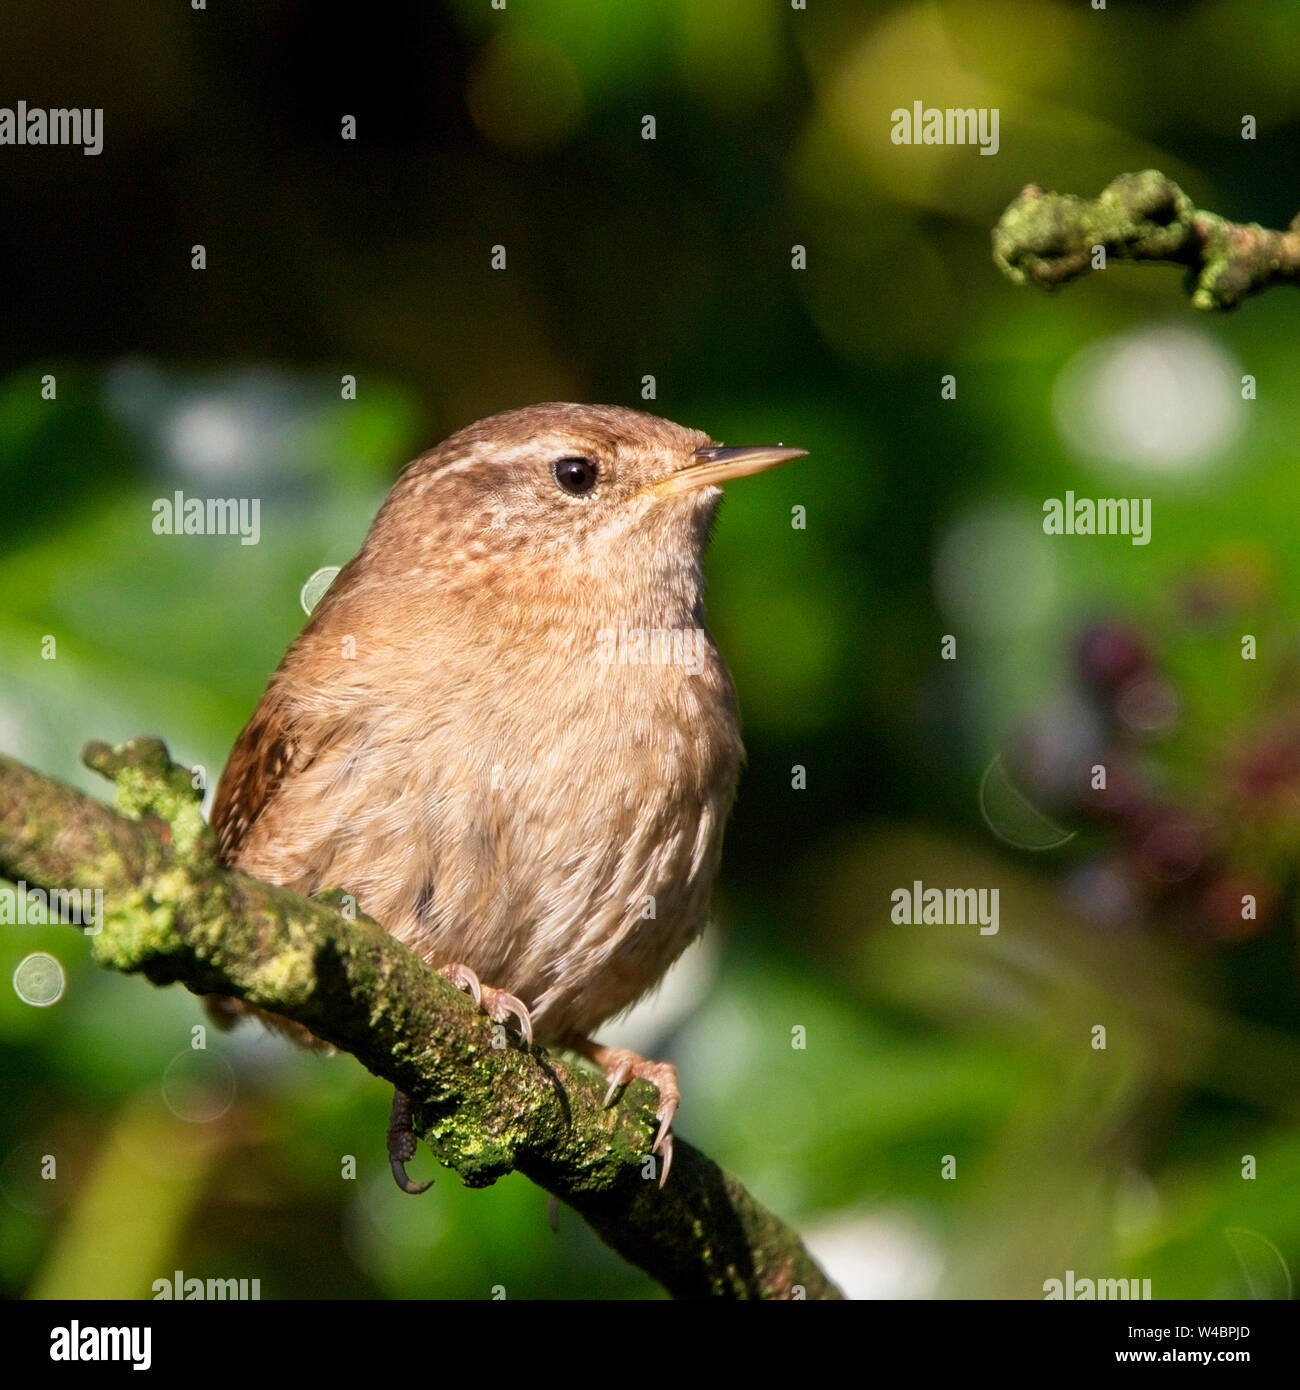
column 556, row 508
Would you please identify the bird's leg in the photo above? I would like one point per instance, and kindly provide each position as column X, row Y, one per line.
column 401, row 1144
column 497, row 1002
column 621, row 1065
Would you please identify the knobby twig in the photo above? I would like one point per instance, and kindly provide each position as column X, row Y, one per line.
column 1046, row 239
column 173, row 913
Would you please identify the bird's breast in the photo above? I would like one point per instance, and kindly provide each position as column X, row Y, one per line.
column 550, row 817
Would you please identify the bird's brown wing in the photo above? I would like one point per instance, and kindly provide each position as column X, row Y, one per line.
column 265, row 754
column 276, row 743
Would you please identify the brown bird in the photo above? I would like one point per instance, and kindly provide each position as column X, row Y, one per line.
column 505, row 730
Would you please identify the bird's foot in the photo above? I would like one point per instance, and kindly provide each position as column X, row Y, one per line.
column 497, row 1002
column 621, row 1065
column 401, row 1145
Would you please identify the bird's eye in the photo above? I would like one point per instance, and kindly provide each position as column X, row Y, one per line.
column 576, row 475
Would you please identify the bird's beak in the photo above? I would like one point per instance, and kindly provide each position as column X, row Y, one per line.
column 719, row 463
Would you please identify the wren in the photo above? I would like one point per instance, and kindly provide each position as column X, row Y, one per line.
column 505, row 729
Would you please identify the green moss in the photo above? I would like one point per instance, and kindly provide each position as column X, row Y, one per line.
column 147, row 783
column 137, row 927
column 289, row 978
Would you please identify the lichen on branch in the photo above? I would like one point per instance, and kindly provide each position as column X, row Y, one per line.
column 1047, row 239
column 175, row 914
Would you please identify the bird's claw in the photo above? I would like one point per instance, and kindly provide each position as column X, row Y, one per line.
column 665, row 1117
column 464, row 979
column 401, row 1145
column 502, row 1006
column 664, row 1147
column 499, row 1004
column 620, row 1066
column 408, row 1185
column 619, row 1076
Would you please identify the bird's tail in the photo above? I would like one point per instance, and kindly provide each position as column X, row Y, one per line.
column 227, row 1013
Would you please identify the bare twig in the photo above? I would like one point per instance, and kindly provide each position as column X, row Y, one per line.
column 1046, row 239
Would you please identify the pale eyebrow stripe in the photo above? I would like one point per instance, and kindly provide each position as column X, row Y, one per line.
column 561, row 446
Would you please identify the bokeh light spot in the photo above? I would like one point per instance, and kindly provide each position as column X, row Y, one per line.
column 39, row 980
column 315, row 588
column 1165, row 400
column 994, row 571
column 524, row 94
column 1012, row 817
column 198, row 1086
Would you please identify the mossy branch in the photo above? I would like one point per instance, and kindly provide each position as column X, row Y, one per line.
column 173, row 913
column 1046, row 239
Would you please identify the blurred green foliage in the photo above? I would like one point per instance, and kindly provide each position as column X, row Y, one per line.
column 672, row 258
